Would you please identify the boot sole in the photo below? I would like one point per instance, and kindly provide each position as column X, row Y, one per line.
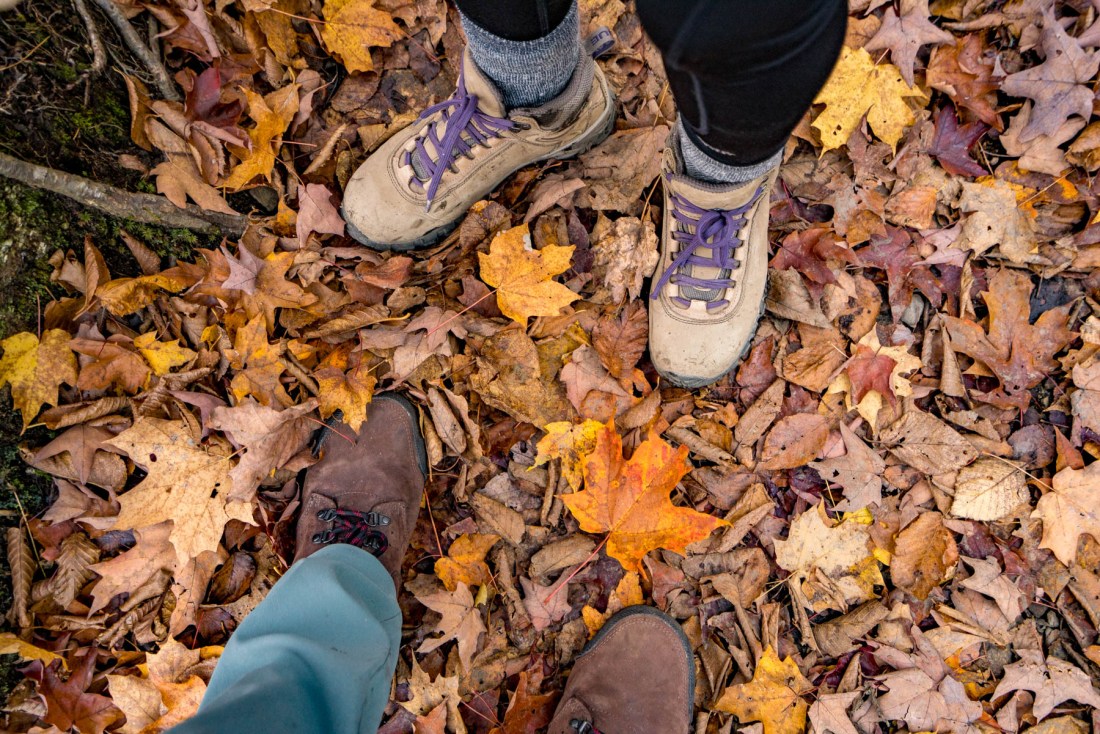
column 643, row 610
column 585, row 142
column 693, row 383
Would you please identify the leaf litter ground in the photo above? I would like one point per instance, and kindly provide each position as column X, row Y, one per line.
column 887, row 518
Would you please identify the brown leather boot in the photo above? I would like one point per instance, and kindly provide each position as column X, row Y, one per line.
column 366, row 488
column 637, row 675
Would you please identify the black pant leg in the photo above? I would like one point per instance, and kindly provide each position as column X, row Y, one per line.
column 516, row 20
column 743, row 72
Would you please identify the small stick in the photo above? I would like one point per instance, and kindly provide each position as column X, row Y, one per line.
column 99, row 54
column 143, row 52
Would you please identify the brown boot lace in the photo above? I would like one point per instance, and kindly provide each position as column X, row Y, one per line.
column 354, row 528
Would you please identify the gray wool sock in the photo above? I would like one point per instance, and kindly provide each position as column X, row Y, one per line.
column 528, row 73
column 699, row 164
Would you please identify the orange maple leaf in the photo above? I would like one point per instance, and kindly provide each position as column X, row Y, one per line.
column 629, row 500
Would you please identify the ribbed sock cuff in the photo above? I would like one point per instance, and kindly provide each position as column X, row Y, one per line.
column 528, row 73
column 701, row 165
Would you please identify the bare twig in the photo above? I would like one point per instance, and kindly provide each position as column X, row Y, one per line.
column 146, row 208
column 99, row 53
column 137, row 46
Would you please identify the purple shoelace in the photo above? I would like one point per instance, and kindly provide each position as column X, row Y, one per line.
column 713, row 229
column 466, row 127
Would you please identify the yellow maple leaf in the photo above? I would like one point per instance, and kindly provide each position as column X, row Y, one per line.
column 627, row 593
column 349, row 392
column 124, row 296
column 260, row 365
column 522, row 275
column 773, row 696
column 629, row 500
column 353, row 28
column 35, row 369
column 162, row 356
column 465, row 561
column 272, row 114
column 10, row 644
column 184, row 484
column 568, row 442
column 858, row 86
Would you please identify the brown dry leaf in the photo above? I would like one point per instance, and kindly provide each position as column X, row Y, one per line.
column 624, row 254
column 152, row 554
column 184, row 484
column 460, row 621
column 113, row 363
column 925, row 555
column 317, row 214
column 1051, row 680
column 427, row 694
column 621, row 341
column 927, row 444
column 510, row 378
column 124, row 296
column 794, row 441
column 995, row 218
column 35, row 369
column 259, row 365
column 990, row 489
column 353, row 27
column 773, row 697
column 465, row 561
column 629, row 499
column 619, row 169
column 859, row 472
column 829, row 713
column 348, row 392
column 546, row 605
column 522, row 275
column 139, row 699
column 1059, row 84
column 1070, row 510
column 915, row 698
column 1020, row 354
column 265, row 438
column 904, row 35
column 841, row 553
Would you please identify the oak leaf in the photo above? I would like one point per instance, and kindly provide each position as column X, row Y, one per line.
column 629, row 499
column 35, row 369
column 773, row 697
column 1051, row 680
column 1059, row 84
column 353, row 27
column 904, row 35
column 859, row 472
column 317, row 214
column 860, row 87
column 1019, row 353
column 1070, row 510
column 927, row 444
column 184, row 484
column 951, row 144
column 522, row 275
column 964, row 72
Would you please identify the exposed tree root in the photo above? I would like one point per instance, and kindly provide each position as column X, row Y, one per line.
column 146, row 208
column 145, row 54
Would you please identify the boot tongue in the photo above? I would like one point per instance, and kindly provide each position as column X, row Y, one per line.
column 489, row 101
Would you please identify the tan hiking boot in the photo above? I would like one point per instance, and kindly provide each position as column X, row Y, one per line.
column 708, row 289
column 412, row 191
column 636, row 675
column 366, row 489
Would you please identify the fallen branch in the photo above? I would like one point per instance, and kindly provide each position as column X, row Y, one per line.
column 143, row 52
column 146, row 208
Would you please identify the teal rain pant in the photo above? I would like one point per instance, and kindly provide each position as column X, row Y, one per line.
column 316, row 656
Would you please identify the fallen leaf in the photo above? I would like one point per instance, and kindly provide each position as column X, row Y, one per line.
column 1051, row 680
column 460, row 621
column 859, row 472
column 163, row 357
column 629, row 499
column 1070, row 510
column 925, row 555
column 904, row 32
column 35, row 369
column 794, row 441
column 841, row 553
column 184, row 484
column 546, row 605
column 927, row 444
column 989, row 490
column 773, row 697
column 858, row 86
column 570, row 443
column 916, row 699
column 522, row 275
column 316, row 213
column 272, row 114
column 829, row 713
column 353, row 27
column 465, row 561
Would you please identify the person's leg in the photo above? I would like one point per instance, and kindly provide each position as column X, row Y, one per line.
column 743, row 74
column 318, row 654
column 529, row 48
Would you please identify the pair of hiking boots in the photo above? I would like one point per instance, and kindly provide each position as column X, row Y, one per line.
column 708, row 290
column 636, row 675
